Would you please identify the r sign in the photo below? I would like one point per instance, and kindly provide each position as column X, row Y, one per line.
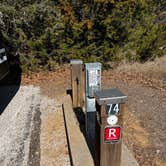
column 112, row 134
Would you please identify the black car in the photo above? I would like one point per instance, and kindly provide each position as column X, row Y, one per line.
column 4, row 68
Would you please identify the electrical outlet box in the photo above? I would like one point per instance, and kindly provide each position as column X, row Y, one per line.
column 93, row 78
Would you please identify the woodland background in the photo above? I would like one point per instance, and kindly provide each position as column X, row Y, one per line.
column 43, row 34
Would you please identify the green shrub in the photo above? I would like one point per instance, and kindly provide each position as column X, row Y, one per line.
column 45, row 34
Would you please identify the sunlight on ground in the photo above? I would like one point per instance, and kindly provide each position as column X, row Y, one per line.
column 132, row 125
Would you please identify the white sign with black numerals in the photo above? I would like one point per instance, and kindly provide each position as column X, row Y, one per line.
column 112, row 109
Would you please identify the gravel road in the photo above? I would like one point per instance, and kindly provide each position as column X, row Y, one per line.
column 15, row 126
column 32, row 131
column 24, row 132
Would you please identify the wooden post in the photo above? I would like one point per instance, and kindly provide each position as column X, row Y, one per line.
column 78, row 149
column 77, row 82
column 108, row 152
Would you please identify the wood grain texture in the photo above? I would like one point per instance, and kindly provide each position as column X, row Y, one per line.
column 78, row 148
column 108, row 154
column 77, row 84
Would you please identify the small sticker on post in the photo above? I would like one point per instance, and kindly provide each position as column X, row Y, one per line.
column 93, row 77
column 112, row 120
column 112, row 134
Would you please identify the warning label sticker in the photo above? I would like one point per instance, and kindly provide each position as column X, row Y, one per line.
column 94, row 77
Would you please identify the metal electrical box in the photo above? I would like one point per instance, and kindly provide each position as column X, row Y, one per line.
column 92, row 84
column 93, row 78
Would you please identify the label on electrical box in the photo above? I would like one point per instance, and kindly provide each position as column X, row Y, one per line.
column 94, row 77
column 91, row 104
column 112, row 134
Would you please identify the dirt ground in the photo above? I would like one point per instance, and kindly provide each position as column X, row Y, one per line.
column 53, row 146
column 144, row 121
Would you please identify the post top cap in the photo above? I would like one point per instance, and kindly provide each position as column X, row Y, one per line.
column 110, row 96
column 76, row 61
column 93, row 65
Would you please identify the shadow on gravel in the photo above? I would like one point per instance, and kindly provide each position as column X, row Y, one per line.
column 10, row 85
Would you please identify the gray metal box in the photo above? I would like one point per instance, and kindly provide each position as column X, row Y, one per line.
column 93, row 78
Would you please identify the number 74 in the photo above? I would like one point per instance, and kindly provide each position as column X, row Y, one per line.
column 113, row 109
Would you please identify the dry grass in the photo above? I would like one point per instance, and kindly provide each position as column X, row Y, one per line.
column 154, row 69
column 53, row 143
column 139, row 136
